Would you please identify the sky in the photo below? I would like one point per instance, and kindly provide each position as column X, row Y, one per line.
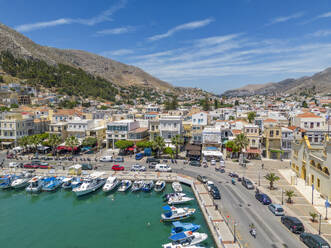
column 215, row 45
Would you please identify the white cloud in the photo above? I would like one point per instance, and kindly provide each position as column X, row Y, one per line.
column 119, row 52
column 114, row 31
column 185, row 26
column 325, row 15
column 285, row 18
column 104, row 16
column 321, row 33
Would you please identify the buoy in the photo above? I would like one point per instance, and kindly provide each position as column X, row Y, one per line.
column 148, row 224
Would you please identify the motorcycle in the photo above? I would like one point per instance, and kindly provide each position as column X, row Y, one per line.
column 233, row 181
column 252, row 230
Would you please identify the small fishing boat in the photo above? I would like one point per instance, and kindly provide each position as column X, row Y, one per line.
column 125, row 185
column 174, row 214
column 137, row 185
column 177, row 187
column 35, row 185
column 182, row 227
column 111, row 183
column 90, row 184
column 67, row 183
column 159, row 186
column 52, row 183
column 148, row 186
column 5, row 181
column 186, row 239
column 166, row 197
column 76, row 182
column 178, row 199
column 21, row 181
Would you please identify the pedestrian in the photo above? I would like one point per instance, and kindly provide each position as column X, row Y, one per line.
column 262, row 166
column 63, row 167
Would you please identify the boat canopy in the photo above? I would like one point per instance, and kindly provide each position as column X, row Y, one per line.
column 186, row 225
column 166, row 208
column 67, row 179
column 178, row 236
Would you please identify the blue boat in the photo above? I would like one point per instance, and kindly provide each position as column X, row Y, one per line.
column 52, row 183
column 6, row 181
column 182, row 227
column 148, row 186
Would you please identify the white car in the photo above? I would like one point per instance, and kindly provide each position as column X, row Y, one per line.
column 163, row 168
column 106, row 159
column 15, row 165
column 210, row 184
column 138, row 167
column 213, row 162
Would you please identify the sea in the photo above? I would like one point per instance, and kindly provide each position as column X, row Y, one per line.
column 62, row 220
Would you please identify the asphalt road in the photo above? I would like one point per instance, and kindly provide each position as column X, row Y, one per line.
column 237, row 202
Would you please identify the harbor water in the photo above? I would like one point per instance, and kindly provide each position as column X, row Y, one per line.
column 61, row 220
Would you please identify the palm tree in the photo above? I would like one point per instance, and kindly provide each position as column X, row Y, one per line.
column 35, row 140
column 158, row 144
column 177, row 141
column 54, row 140
column 313, row 216
column 241, row 141
column 72, row 142
column 24, row 142
column 289, row 194
column 271, row 177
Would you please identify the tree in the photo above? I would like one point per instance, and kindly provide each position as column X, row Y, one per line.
column 14, row 105
column 231, row 118
column 54, row 140
column 236, row 103
column 24, row 142
column 304, row 104
column 90, row 141
column 72, row 142
column 177, row 141
column 216, row 104
column 144, row 144
column 206, row 105
column 271, row 177
column 241, row 142
column 158, row 145
column 169, row 151
column 251, row 116
column 289, row 194
column 1, row 79
column 123, row 144
column 35, row 140
column 313, row 216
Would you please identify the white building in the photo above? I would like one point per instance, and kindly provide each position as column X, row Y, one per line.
column 211, row 136
column 119, row 130
column 170, row 126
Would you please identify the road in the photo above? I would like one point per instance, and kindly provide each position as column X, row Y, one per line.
column 237, row 203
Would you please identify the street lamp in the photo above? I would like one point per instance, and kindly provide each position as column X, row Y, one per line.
column 319, row 226
column 282, row 197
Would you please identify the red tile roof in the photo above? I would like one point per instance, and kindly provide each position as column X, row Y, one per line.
column 270, row 120
column 308, row 115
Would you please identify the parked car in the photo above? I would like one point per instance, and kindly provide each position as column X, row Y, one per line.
column 210, row 184
column 163, row 168
column 293, row 223
column 202, row 179
column 15, row 165
column 42, row 166
column 31, row 166
column 106, row 159
column 153, row 160
column 87, row 167
column 117, row 167
column 39, row 162
column 195, row 163
column 222, row 170
column 215, row 193
column 313, row 240
column 139, row 156
column 263, row 198
column 247, row 183
column 10, row 156
column 119, row 160
column 152, row 165
column 138, row 167
column 276, row 209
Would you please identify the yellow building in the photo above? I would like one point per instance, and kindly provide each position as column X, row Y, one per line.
column 272, row 136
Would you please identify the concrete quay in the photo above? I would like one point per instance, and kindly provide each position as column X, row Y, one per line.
column 218, row 228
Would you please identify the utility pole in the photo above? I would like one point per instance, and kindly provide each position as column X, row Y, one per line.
column 319, row 226
column 282, row 197
column 312, row 194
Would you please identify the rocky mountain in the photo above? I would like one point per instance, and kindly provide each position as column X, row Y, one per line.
column 113, row 71
column 319, row 83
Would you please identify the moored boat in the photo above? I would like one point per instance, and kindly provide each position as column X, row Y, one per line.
column 182, row 227
column 35, row 184
column 125, row 185
column 166, row 197
column 111, row 183
column 177, row 187
column 21, row 181
column 52, row 183
column 178, row 199
column 159, row 186
column 90, row 184
column 76, row 182
column 67, row 183
column 186, row 239
column 174, row 214
column 148, row 186
column 5, row 181
column 137, row 185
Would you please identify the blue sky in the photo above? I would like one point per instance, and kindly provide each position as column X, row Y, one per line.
column 212, row 44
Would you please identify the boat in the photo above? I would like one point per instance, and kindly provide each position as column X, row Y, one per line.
column 137, row 185
column 148, row 186
column 125, row 185
column 5, row 181
column 182, row 227
column 35, row 185
column 177, row 187
column 174, row 214
column 170, row 245
column 166, row 197
column 186, row 239
column 67, row 183
column 76, row 182
column 52, row 183
column 111, row 183
column 159, row 186
column 21, row 181
column 90, row 184
column 178, row 199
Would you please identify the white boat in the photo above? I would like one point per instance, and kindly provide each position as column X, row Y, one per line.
column 67, row 183
column 178, row 199
column 111, row 183
column 35, row 184
column 159, row 186
column 186, row 239
column 177, row 187
column 173, row 214
column 170, row 245
column 22, row 181
column 125, row 185
column 91, row 184
column 137, row 185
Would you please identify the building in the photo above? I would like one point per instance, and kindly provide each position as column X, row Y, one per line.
column 252, row 133
column 170, row 126
column 199, row 121
column 153, row 129
column 119, row 130
column 211, row 137
column 271, row 144
column 78, row 127
column 59, row 129
column 286, row 143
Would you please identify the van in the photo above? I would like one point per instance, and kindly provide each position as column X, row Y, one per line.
column 106, row 159
column 313, row 240
column 162, row 168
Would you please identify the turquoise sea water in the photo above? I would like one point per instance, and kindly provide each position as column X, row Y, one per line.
column 60, row 219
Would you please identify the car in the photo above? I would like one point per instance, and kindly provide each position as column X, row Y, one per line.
column 263, row 198
column 139, row 156
column 195, row 163
column 44, row 166
column 117, row 167
column 152, row 165
column 38, row 162
column 15, row 165
column 213, row 162
column 232, row 174
column 202, row 179
column 210, row 184
column 106, row 159
column 31, row 166
column 163, row 168
column 87, row 167
column 153, row 160
column 10, row 156
column 293, row 223
column 222, row 170
column 215, row 193
column 276, row 209
column 119, row 160
column 313, row 240
column 204, row 164
column 247, row 183
column 138, row 167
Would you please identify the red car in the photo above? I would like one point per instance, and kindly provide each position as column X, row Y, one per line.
column 117, row 167
column 32, row 166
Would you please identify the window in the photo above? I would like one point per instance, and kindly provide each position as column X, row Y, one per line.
column 311, row 124
column 318, row 124
column 277, row 133
column 316, row 139
column 271, row 133
column 175, row 125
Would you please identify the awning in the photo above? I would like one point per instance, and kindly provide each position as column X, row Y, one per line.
column 194, row 153
column 6, row 143
column 255, row 151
